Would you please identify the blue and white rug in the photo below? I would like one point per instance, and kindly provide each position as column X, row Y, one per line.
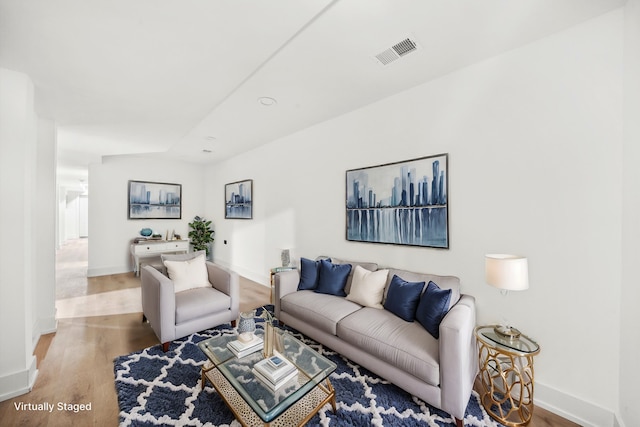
column 163, row 389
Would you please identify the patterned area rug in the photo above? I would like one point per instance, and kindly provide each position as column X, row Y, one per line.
column 163, row 389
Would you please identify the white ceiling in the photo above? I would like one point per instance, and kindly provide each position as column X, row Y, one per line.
column 179, row 77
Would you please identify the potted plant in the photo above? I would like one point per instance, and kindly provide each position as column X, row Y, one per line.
column 200, row 234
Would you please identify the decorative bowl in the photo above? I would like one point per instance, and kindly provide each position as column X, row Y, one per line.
column 146, row 232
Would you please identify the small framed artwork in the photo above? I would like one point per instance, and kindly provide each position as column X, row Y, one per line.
column 154, row 200
column 238, row 200
column 402, row 203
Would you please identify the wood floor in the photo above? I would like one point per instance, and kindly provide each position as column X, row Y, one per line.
column 76, row 363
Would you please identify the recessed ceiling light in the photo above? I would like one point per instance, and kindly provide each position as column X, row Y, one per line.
column 210, row 138
column 207, row 151
column 267, row 101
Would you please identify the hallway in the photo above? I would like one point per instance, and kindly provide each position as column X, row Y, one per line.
column 80, row 296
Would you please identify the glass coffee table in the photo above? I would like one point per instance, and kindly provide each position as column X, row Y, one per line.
column 253, row 403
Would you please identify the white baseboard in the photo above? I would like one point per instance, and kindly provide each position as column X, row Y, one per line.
column 105, row 271
column 574, row 409
column 45, row 325
column 18, row 383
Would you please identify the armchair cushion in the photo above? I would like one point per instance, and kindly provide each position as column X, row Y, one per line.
column 194, row 303
column 188, row 274
column 182, row 257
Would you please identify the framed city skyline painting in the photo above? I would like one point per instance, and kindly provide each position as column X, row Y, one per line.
column 154, row 200
column 238, row 200
column 402, row 203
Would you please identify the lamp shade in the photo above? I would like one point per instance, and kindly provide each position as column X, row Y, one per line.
column 508, row 272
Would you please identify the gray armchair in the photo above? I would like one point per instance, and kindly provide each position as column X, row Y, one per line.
column 176, row 315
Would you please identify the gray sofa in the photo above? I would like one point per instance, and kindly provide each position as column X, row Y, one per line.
column 439, row 371
column 175, row 315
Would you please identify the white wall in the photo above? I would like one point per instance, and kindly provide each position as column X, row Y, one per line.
column 24, row 146
column 110, row 231
column 630, row 319
column 72, row 215
column 17, row 160
column 534, row 138
column 45, row 230
column 83, row 215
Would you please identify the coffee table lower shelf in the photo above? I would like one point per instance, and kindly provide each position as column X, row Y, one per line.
column 298, row 414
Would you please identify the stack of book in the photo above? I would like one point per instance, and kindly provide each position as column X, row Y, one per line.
column 241, row 349
column 274, row 371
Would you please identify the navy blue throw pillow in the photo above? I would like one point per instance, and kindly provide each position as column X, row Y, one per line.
column 309, row 271
column 403, row 297
column 434, row 305
column 333, row 278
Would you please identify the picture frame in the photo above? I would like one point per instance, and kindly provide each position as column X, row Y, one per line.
column 238, row 200
column 401, row 203
column 154, row 200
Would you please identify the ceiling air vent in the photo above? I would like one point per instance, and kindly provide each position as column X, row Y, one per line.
column 396, row 51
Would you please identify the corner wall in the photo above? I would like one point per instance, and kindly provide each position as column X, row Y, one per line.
column 534, row 138
column 110, row 231
column 27, row 216
column 45, row 206
column 630, row 315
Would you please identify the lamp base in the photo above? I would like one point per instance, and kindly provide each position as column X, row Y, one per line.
column 507, row 332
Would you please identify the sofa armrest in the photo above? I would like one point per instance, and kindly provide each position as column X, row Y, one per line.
column 284, row 283
column 458, row 356
column 227, row 282
column 158, row 303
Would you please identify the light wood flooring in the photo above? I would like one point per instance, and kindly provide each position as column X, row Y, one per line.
column 76, row 363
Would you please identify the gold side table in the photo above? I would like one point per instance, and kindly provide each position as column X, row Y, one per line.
column 506, row 376
column 272, row 274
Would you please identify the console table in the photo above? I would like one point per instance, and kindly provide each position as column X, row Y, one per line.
column 153, row 248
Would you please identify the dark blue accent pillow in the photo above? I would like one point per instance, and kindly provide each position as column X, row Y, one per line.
column 309, row 271
column 434, row 305
column 403, row 297
column 333, row 278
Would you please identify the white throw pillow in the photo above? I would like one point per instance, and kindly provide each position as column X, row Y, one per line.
column 188, row 274
column 367, row 287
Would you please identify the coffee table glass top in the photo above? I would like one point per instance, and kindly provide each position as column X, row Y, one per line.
column 313, row 368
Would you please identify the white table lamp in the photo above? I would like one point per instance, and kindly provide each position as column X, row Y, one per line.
column 507, row 273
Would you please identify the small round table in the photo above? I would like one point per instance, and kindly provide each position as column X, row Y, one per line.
column 506, row 375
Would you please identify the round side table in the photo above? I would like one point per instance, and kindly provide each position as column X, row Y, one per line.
column 506, row 375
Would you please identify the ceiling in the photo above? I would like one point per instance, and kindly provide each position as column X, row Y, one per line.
column 183, row 78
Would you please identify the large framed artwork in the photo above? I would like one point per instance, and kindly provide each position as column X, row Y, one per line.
column 403, row 203
column 154, row 200
column 238, row 200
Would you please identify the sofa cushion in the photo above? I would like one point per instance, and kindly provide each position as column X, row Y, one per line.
column 405, row 345
column 194, row 303
column 444, row 282
column 433, row 306
column 332, row 278
column 188, row 274
column 367, row 288
column 320, row 310
column 309, row 272
column 403, row 297
column 371, row 266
